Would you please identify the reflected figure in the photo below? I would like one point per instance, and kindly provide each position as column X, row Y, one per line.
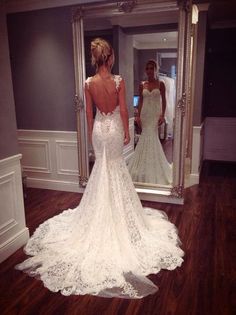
column 149, row 163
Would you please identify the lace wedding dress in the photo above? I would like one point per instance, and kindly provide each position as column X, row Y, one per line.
column 148, row 163
column 109, row 243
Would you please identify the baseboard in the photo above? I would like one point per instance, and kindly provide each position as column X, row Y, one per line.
column 192, row 180
column 13, row 244
column 161, row 198
column 54, row 185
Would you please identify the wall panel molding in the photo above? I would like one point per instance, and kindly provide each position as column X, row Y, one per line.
column 66, row 152
column 40, row 150
column 13, row 232
column 50, row 158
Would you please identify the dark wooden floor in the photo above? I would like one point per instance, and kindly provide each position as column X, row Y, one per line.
column 204, row 285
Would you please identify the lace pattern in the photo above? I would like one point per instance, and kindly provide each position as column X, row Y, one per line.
column 149, row 163
column 109, row 243
column 117, row 79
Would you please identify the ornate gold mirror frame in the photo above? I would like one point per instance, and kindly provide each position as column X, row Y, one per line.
column 159, row 193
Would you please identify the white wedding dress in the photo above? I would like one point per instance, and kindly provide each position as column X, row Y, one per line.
column 148, row 163
column 109, row 243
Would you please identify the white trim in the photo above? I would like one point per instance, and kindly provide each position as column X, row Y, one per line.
column 61, row 151
column 11, row 160
column 196, row 149
column 60, row 144
column 13, row 232
column 48, row 165
column 159, row 197
column 193, row 165
column 169, row 55
column 13, row 244
column 54, row 184
column 44, row 134
column 193, row 180
column 45, row 153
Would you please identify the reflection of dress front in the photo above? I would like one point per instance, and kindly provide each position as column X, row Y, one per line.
column 109, row 243
column 149, row 163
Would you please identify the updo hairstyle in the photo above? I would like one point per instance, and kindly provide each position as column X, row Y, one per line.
column 101, row 51
column 152, row 62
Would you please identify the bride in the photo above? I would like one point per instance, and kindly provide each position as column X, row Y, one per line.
column 109, row 243
column 149, row 163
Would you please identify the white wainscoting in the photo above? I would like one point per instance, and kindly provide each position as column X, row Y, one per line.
column 13, row 232
column 50, row 158
column 197, row 157
column 220, row 140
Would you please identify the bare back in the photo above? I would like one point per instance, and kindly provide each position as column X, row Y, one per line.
column 104, row 92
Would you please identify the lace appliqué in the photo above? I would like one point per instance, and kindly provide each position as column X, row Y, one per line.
column 117, row 79
column 109, row 243
column 148, row 163
column 88, row 81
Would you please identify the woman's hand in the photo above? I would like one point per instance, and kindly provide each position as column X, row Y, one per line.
column 138, row 121
column 126, row 138
column 161, row 120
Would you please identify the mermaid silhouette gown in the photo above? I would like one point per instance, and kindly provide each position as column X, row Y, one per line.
column 109, row 243
column 148, row 163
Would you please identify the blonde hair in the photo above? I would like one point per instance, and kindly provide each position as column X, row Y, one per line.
column 101, row 51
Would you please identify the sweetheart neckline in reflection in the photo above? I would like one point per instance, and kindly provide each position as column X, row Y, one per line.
column 151, row 90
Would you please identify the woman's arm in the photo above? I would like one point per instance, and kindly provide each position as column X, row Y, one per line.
column 161, row 119
column 89, row 111
column 124, row 111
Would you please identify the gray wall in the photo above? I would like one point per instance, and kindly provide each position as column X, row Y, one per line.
column 143, row 56
column 41, row 51
column 8, row 133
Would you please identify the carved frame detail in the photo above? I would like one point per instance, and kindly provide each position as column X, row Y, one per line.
column 173, row 194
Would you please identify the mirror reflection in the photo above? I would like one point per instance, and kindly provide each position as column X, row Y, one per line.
column 154, row 107
column 150, row 89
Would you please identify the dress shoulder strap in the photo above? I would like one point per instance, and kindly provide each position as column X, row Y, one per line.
column 88, row 81
column 117, row 79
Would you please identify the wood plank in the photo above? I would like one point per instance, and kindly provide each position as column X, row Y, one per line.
column 204, row 285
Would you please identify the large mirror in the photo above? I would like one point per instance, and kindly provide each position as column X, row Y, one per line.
column 140, row 31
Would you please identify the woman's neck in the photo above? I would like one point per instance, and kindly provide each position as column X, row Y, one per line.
column 151, row 79
column 104, row 72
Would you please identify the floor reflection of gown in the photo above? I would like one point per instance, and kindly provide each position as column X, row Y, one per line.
column 109, row 243
column 149, row 163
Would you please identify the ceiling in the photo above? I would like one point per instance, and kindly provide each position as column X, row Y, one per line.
column 156, row 40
